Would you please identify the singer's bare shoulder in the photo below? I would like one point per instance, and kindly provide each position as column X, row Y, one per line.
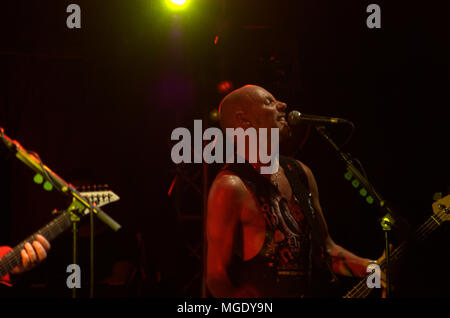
column 227, row 189
column 228, row 200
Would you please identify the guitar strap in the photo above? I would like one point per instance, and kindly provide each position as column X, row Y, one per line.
column 297, row 179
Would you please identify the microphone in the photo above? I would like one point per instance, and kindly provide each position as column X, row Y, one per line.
column 295, row 118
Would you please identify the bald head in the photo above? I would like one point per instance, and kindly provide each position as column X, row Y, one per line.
column 239, row 102
column 252, row 106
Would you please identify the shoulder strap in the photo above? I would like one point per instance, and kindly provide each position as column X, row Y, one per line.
column 298, row 180
column 300, row 187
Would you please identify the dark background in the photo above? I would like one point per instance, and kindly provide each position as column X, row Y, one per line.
column 99, row 104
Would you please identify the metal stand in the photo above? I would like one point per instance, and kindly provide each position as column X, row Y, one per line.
column 79, row 203
column 33, row 161
column 75, row 221
column 386, row 224
column 91, row 256
column 387, row 221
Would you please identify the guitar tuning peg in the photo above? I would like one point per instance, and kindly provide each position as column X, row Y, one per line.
column 442, row 207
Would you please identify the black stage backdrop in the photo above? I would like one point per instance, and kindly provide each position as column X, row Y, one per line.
column 99, row 104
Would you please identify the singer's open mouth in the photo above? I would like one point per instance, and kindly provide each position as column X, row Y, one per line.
column 282, row 119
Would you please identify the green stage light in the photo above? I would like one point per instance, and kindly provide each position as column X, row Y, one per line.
column 363, row 192
column 177, row 4
column 48, row 186
column 38, row 178
column 348, row 176
column 355, row 183
column 369, row 199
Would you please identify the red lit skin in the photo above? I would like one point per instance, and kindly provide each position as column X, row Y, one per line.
column 232, row 206
column 32, row 254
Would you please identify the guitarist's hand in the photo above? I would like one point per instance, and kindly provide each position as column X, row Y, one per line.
column 33, row 254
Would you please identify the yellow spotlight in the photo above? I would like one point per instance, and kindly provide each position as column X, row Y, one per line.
column 214, row 115
column 177, row 4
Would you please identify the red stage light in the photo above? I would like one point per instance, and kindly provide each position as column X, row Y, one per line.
column 224, row 87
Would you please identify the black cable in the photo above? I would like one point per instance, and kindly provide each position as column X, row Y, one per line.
column 361, row 166
column 347, row 141
column 350, row 135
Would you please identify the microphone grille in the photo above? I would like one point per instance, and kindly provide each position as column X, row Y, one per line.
column 294, row 117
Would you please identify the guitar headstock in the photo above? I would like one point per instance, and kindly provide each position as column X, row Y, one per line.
column 99, row 195
column 442, row 208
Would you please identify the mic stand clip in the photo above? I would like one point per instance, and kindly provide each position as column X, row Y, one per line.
column 33, row 161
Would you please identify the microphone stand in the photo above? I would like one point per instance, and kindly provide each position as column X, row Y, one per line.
column 387, row 221
column 79, row 203
column 33, row 162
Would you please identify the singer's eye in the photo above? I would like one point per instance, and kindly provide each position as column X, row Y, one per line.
column 268, row 101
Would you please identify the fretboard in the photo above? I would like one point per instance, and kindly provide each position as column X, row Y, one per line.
column 361, row 290
column 50, row 232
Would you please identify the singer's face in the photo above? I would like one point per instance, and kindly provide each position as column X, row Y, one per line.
column 267, row 112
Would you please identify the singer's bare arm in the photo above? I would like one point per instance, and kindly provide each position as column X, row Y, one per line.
column 344, row 262
column 227, row 201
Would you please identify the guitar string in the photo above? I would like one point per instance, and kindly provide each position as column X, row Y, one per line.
column 13, row 258
column 430, row 225
column 422, row 232
column 362, row 290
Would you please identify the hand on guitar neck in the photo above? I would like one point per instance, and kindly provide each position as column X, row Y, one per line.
column 33, row 254
column 381, row 260
column 30, row 252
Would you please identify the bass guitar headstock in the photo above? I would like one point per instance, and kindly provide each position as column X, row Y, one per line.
column 441, row 208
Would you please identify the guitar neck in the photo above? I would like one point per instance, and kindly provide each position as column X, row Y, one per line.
column 361, row 290
column 49, row 231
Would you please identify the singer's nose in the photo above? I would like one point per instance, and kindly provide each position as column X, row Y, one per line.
column 281, row 106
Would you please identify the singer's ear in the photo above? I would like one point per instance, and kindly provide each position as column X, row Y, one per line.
column 242, row 120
